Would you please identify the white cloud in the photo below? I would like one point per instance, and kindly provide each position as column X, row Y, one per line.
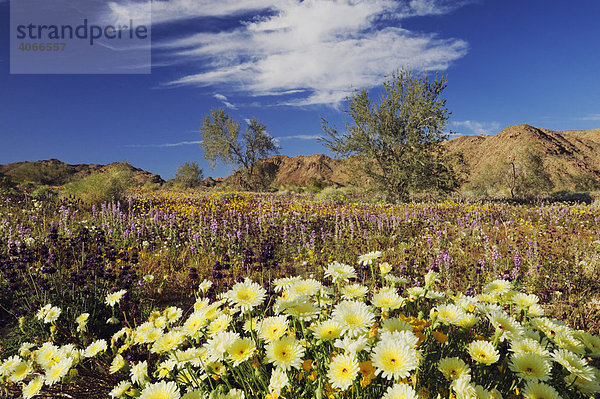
column 179, row 10
column 224, row 100
column 433, row 7
column 320, row 51
column 474, row 127
column 591, row 117
column 301, row 137
column 181, row 143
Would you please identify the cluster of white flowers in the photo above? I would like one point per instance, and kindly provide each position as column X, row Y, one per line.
column 47, row 364
column 335, row 342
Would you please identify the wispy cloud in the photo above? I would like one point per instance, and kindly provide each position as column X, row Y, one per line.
column 301, row 137
column 591, row 117
column 319, row 51
column 474, row 127
column 223, row 99
column 181, row 143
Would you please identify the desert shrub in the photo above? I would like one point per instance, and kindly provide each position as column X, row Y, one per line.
column 568, row 196
column 27, row 185
column 315, row 185
column 399, row 136
column 290, row 188
column 96, row 188
column 51, row 172
column 223, row 140
column 151, row 186
column 188, row 175
column 227, row 196
column 585, row 182
column 522, row 177
column 332, row 194
column 44, row 192
column 7, row 186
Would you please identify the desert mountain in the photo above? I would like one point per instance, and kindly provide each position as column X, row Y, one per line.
column 55, row 173
column 305, row 170
column 565, row 154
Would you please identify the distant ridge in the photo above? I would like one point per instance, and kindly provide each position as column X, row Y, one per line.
column 53, row 172
column 565, row 154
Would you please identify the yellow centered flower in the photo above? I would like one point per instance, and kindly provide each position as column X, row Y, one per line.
column 241, row 350
column 114, row 298
column 355, row 318
column 272, row 328
column 286, row 353
column 453, row 368
column 95, row 348
column 33, row 387
column 530, row 366
column 327, row 330
column 161, row 390
column 400, row 391
column 343, row 371
column 483, row 352
column 394, row 360
column 539, row 390
column 246, row 295
column 117, row 364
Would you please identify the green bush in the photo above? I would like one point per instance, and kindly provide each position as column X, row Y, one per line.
column 568, row 196
column 7, row 186
column 53, row 172
column 585, row 182
column 43, row 192
column 290, row 188
column 189, row 175
column 151, row 186
column 332, row 194
column 99, row 187
column 316, row 185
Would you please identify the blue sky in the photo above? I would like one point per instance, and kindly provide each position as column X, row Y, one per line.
column 291, row 62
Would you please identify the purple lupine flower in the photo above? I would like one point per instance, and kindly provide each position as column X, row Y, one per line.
column 514, row 273
column 214, row 226
column 495, row 255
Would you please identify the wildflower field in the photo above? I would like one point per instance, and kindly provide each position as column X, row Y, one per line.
column 172, row 295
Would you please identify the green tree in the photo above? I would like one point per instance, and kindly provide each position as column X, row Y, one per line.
column 7, row 186
column 189, row 175
column 525, row 175
column 223, row 140
column 398, row 138
column 522, row 176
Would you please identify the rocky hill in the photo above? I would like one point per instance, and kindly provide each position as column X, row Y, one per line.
column 566, row 155
column 305, row 170
column 53, row 172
